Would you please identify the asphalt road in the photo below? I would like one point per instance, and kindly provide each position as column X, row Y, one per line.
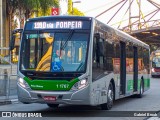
column 149, row 102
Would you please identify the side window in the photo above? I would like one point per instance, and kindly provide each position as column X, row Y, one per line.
column 98, row 58
column 108, row 56
column 30, row 49
column 146, row 60
column 129, row 59
column 116, row 58
column 140, row 60
column 103, row 52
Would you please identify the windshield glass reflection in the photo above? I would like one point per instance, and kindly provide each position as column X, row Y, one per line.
column 55, row 52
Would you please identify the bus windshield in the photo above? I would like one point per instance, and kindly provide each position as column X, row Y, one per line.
column 54, row 51
column 156, row 62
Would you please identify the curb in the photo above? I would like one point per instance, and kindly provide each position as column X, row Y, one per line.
column 11, row 101
column 14, row 101
column 5, row 102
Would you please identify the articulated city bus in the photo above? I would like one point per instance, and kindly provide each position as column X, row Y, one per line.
column 155, row 63
column 79, row 61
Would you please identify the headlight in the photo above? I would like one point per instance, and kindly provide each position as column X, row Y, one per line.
column 23, row 83
column 153, row 70
column 80, row 84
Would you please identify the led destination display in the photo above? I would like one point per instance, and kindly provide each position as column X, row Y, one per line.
column 58, row 25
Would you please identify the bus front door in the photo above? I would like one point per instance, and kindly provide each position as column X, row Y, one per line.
column 123, row 69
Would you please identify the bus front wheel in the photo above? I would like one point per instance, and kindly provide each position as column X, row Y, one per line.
column 110, row 97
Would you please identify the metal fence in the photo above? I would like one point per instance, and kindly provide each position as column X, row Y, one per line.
column 8, row 76
column 3, row 82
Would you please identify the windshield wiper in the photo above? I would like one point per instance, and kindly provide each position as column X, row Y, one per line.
column 81, row 66
column 69, row 38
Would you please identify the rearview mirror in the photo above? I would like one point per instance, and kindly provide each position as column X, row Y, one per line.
column 97, row 35
column 13, row 37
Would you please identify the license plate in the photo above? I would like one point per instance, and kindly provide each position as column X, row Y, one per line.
column 49, row 98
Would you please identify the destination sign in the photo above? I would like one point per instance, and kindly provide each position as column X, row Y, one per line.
column 64, row 24
column 58, row 25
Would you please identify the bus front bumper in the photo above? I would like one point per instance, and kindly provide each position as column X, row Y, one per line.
column 155, row 73
column 78, row 97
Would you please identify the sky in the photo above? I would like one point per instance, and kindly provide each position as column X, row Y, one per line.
column 95, row 7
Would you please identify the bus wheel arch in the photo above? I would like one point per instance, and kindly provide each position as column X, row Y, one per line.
column 110, row 96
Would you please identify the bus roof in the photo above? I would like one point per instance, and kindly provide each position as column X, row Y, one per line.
column 60, row 17
column 127, row 37
column 118, row 32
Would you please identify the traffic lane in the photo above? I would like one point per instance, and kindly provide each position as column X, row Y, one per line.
column 69, row 111
column 149, row 102
column 65, row 112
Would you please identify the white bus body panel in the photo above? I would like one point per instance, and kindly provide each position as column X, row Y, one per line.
column 99, row 89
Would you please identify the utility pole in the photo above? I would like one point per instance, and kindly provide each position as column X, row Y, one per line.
column 73, row 4
column 2, row 24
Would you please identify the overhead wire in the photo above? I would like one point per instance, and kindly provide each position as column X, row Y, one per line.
column 99, row 7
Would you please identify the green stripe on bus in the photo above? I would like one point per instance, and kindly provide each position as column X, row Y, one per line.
column 51, row 85
column 130, row 84
column 146, row 83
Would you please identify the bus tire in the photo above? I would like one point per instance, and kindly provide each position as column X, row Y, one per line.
column 110, row 98
column 141, row 90
column 53, row 105
column 25, row 102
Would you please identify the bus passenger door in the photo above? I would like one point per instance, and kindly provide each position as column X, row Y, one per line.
column 123, row 68
column 135, row 80
column 130, row 68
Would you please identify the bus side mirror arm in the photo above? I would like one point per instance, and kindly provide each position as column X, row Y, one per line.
column 13, row 37
column 12, row 43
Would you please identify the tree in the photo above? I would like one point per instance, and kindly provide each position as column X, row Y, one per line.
column 25, row 8
column 45, row 5
column 11, row 6
column 29, row 7
column 76, row 12
column 73, row 11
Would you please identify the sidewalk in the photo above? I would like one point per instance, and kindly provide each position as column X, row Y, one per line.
column 12, row 99
column 10, row 84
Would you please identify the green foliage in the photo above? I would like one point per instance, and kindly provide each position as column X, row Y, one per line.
column 30, row 4
column 41, row 7
column 69, row 6
column 75, row 10
column 11, row 5
column 47, row 4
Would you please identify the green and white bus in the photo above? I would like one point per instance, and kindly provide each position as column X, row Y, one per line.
column 79, row 61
